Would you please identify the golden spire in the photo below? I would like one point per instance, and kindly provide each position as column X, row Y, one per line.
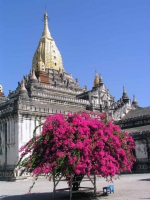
column 49, row 53
column 46, row 32
column 96, row 79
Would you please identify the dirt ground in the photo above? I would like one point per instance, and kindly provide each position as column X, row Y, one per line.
column 127, row 187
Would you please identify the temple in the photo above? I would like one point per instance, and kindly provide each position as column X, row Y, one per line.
column 49, row 89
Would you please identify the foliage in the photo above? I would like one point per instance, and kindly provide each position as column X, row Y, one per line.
column 78, row 144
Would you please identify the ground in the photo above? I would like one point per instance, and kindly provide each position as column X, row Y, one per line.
column 127, row 187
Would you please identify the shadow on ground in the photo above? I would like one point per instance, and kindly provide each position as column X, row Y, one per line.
column 147, row 179
column 49, row 196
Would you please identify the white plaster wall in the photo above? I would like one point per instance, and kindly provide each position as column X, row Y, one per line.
column 38, row 122
column 26, row 128
column 32, row 127
column 24, row 132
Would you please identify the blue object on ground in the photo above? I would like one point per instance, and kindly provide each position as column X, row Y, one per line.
column 108, row 189
column 111, row 188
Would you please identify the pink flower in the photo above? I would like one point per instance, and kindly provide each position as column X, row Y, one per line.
column 60, row 154
column 45, row 141
column 77, row 171
column 79, row 145
column 54, row 164
column 72, row 145
column 37, row 170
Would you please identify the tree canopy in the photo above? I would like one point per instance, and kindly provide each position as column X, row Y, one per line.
column 78, row 143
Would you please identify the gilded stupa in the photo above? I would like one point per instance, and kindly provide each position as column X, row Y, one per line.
column 50, row 57
column 96, row 79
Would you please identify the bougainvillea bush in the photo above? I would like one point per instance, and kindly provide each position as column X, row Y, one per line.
column 78, row 144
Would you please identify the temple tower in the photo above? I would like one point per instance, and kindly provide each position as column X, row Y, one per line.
column 47, row 52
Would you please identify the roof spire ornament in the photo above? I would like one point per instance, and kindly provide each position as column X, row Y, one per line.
column 33, row 78
column 33, row 75
column 96, row 79
column 46, row 32
column 124, row 90
column 134, row 99
column 23, row 91
column 125, row 97
column 23, row 85
column 100, row 78
column 134, row 102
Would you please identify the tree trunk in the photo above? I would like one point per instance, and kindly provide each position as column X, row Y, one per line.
column 76, row 182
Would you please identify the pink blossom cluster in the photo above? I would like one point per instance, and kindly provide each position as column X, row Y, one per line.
column 79, row 144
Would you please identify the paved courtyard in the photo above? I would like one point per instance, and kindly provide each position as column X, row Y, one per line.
column 127, row 187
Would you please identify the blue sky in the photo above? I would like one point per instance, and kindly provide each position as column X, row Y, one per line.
column 110, row 36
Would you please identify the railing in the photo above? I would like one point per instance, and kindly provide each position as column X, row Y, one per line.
column 60, row 97
column 61, row 89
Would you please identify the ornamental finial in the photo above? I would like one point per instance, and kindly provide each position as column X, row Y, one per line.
column 33, row 75
column 134, row 98
column 46, row 32
column 125, row 97
column 124, row 90
column 23, row 84
column 96, row 79
column 134, row 102
column 100, row 78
